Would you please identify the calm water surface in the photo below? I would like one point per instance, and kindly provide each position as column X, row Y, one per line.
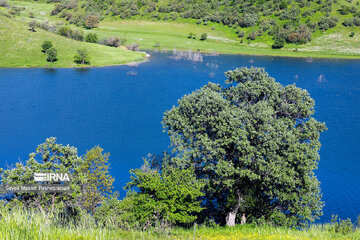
column 120, row 108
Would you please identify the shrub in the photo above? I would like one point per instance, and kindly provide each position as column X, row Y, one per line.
column 51, row 54
column 4, row 3
column 203, row 37
column 132, row 47
column 57, row 9
column 31, row 15
column 279, row 43
column 327, row 22
column 252, row 36
column 77, row 35
column 71, row 4
column 46, row 45
column 341, row 226
column 91, row 37
column 348, row 22
column 283, row 5
column 241, row 34
column 114, row 41
column 32, row 25
column 65, row 31
column 356, row 21
column 352, row 34
column 82, row 56
column 192, row 35
column 91, row 21
column 249, row 20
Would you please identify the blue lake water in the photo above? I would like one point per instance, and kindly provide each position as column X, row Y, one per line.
column 120, row 108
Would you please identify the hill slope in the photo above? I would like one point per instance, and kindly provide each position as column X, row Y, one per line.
column 22, row 48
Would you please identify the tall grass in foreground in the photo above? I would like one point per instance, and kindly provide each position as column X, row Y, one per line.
column 20, row 225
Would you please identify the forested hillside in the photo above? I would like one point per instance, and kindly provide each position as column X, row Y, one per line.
column 292, row 21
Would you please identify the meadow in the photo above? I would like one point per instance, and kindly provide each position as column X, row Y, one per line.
column 21, row 47
column 18, row 225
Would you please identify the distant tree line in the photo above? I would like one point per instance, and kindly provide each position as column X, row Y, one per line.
column 293, row 21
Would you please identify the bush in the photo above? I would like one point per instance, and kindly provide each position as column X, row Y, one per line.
column 91, row 21
column 327, row 22
column 77, row 35
column 249, row 20
column 252, row 36
column 57, row 9
column 192, row 35
column 348, row 22
column 132, row 47
column 341, row 226
column 241, row 34
column 46, row 45
column 203, row 37
column 91, row 37
column 51, row 54
column 356, row 21
column 352, row 34
column 279, row 43
column 65, row 31
column 4, row 3
column 32, row 25
column 114, row 41
column 82, row 56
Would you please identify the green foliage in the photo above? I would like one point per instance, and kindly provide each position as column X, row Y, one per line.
column 90, row 180
column 82, row 56
column 91, row 21
column 279, row 43
column 98, row 183
column 192, row 35
column 169, row 195
column 51, row 54
column 256, row 143
column 46, row 45
column 203, row 36
column 91, row 37
column 352, row 34
column 49, row 157
column 343, row 227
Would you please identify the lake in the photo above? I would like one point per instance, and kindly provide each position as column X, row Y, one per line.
column 120, row 108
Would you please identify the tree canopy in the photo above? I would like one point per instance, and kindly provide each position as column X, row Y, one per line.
column 255, row 143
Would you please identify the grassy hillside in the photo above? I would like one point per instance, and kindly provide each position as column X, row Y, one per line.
column 22, row 48
column 150, row 32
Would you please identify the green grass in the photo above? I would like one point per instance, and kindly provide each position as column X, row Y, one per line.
column 18, row 225
column 173, row 35
column 22, row 48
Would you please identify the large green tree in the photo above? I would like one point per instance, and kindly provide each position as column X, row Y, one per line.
column 255, row 143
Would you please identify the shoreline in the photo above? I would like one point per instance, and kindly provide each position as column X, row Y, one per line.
column 147, row 57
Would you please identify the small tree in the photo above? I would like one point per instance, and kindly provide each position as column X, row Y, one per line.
column 46, row 45
column 82, row 56
column 99, row 182
column 91, row 21
column 51, row 54
column 279, row 43
column 91, row 37
column 203, row 37
column 168, row 195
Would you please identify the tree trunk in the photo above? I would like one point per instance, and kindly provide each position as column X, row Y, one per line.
column 243, row 219
column 231, row 217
